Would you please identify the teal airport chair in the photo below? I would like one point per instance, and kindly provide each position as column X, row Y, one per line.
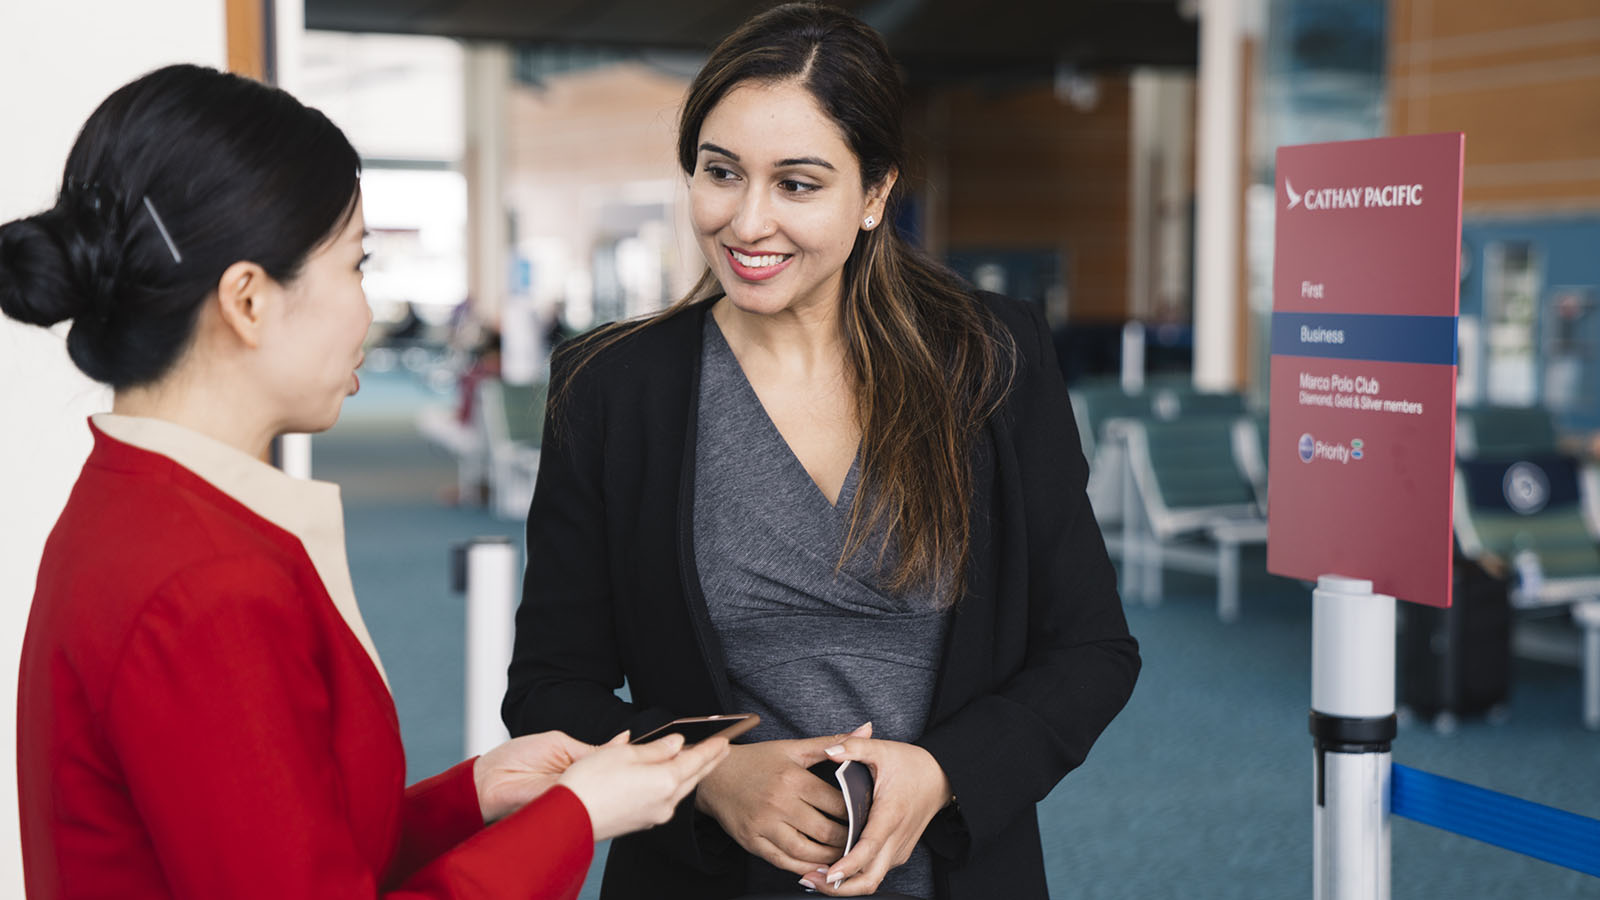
column 1098, row 408
column 1250, row 437
column 1538, row 514
column 1101, row 407
column 511, row 417
column 1189, row 506
column 1505, row 432
column 1182, row 401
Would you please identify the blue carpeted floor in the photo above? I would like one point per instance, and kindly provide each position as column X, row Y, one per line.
column 1201, row 789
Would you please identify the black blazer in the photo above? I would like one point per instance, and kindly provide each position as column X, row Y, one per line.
column 1037, row 660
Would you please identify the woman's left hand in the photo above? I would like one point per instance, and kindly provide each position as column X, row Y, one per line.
column 909, row 789
column 521, row 769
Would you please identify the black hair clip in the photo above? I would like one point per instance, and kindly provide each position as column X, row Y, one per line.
column 93, row 194
column 100, row 198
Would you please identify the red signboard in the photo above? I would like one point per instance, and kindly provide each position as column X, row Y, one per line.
column 1365, row 302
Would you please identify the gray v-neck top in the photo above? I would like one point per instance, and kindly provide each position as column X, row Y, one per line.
column 814, row 652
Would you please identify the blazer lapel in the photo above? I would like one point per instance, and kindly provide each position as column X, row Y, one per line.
column 970, row 641
column 694, row 598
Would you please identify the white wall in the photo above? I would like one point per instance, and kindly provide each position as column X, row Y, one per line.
column 58, row 60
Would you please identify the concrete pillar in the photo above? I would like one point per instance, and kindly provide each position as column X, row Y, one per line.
column 284, row 64
column 488, row 90
column 1161, row 142
column 1217, row 195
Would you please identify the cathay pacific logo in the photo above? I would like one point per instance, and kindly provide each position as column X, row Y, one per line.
column 1358, row 197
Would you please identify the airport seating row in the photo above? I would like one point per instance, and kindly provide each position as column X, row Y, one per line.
column 497, row 447
column 512, row 423
column 1178, row 480
column 1526, row 502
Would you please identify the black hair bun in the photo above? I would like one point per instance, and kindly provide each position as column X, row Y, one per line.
column 36, row 283
column 174, row 177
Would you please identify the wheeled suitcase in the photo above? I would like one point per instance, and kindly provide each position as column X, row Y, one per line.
column 1457, row 662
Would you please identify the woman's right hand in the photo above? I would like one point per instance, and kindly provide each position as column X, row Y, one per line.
column 766, row 799
column 627, row 787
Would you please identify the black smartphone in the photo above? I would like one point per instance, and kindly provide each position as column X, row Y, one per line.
column 697, row 729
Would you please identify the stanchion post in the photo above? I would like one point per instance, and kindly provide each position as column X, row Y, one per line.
column 1352, row 726
column 490, row 568
column 1132, row 539
column 294, row 455
column 1132, row 369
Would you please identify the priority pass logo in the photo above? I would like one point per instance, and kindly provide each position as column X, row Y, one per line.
column 1308, row 447
column 1526, row 487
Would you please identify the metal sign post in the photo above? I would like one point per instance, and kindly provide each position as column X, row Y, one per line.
column 1352, row 726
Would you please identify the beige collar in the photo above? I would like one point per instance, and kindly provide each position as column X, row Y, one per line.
column 309, row 510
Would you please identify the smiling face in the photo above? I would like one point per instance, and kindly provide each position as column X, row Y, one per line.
column 776, row 199
column 320, row 331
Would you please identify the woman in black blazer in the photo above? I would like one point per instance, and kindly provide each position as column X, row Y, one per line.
column 962, row 598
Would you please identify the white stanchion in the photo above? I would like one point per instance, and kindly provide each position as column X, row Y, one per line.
column 294, row 455
column 1353, row 725
column 491, row 588
column 1586, row 614
column 1132, row 372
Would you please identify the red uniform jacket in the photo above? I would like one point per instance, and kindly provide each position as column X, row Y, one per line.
column 195, row 719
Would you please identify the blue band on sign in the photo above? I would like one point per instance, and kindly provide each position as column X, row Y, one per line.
column 1542, row 832
column 1401, row 339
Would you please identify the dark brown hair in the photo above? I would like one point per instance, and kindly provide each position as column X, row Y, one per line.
column 929, row 360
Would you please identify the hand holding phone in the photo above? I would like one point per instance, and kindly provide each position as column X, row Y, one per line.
column 698, row 728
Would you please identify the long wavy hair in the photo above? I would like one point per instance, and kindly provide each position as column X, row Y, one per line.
column 930, row 363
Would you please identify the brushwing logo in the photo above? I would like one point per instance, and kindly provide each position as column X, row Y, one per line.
column 1526, row 487
column 1308, row 447
column 1353, row 196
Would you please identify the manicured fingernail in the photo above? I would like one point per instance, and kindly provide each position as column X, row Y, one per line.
column 807, row 885
column 821, row 870
column 835, row 750
column 835, row 880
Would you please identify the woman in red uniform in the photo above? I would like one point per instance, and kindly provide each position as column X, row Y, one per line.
column 201, row 711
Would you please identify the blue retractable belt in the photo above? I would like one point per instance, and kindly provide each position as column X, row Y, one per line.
column 1543, row 832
